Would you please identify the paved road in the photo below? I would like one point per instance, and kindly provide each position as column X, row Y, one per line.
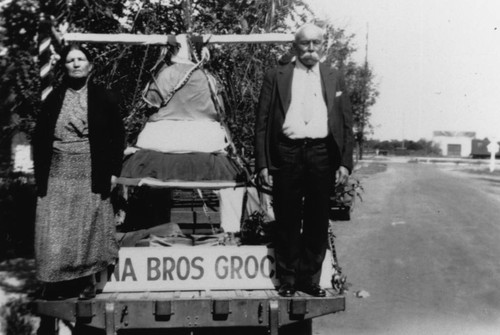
column 425, row 244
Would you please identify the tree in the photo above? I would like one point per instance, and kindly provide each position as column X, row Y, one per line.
column 421, row 147
column 239, row 68
column 126, row 69
column 363, row 95
column 19, row 80
column 360, row 83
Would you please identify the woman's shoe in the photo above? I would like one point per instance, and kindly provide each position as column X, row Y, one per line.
column 55, row 291
column 89, row 290
column 87, row 293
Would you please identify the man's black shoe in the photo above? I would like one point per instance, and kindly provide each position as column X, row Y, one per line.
column 287, row 290
column 313, row 289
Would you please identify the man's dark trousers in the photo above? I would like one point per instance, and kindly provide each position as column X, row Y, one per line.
column 301, row 190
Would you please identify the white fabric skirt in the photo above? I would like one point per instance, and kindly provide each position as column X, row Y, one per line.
column 179, row 136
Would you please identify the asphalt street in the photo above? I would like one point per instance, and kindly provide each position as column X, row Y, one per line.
column 425, row 245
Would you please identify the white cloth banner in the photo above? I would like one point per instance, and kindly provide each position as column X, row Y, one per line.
column 187, row 268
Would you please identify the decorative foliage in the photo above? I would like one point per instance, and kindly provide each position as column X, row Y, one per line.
column 345, row 195
column 126, row 69
column 256, row 230
column 343, row 199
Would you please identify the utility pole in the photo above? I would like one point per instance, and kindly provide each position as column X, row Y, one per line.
column 361, row 126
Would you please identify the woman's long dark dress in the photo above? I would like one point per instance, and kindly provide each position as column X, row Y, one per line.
column 74, row 233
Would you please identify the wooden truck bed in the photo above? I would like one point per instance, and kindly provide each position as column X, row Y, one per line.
column 118, row 313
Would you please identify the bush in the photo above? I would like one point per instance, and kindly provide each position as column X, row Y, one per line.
column 17, row 318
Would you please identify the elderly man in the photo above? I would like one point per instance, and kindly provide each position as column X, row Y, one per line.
column 304, row 147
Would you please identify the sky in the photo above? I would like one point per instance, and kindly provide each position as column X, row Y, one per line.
column 436, row 62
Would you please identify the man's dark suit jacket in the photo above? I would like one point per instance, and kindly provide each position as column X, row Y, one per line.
column 275, row 98
column 106, row 137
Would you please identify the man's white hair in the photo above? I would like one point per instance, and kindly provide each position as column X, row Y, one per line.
column 309, row 26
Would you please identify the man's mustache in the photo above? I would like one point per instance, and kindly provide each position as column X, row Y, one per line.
column 310, row 55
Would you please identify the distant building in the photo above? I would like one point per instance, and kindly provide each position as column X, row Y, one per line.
column 454, row 143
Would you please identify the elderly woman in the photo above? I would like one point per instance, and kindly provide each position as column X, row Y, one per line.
column 78, row 145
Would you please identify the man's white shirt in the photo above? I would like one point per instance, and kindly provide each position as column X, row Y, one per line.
column 307, row 115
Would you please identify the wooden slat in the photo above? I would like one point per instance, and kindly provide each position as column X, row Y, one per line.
column 131, row 296
column 157, row 296
column 202, row 294
column 271, row 293
column 301, row 294
column 205, row 294
column 224, row 294
column 146, row 295
column 110, row 297
column 163, row 39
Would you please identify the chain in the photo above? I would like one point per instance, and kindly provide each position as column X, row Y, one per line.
column 338, row 280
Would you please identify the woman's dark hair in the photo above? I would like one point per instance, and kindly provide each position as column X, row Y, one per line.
column 71, row 47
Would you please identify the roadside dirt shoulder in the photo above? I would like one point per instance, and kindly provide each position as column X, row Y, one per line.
column 484, row 180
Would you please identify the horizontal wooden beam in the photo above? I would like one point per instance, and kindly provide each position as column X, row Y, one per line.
column 163, row 39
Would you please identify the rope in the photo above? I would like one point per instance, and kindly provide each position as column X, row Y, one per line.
column 182, row 82
column 218, row 108
column 170, row 94
column 205, row 210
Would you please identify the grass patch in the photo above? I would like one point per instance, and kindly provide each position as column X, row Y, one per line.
column 367, row 169
column 482, row 172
